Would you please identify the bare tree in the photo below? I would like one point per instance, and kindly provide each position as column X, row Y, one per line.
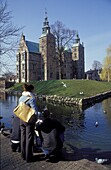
column 96, row 65
column 64, row 38
column 8, row 75
column 8, row 37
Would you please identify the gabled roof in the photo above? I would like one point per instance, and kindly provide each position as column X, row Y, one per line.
column 32, row 47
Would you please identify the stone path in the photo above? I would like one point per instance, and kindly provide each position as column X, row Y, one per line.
column 13, row 161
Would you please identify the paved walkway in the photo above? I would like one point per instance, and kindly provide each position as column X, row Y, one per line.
column 13, row 161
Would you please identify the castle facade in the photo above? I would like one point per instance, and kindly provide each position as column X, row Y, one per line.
column 39, row 61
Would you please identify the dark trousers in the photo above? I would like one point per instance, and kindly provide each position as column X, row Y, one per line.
column 27, row 140
column 15, row 147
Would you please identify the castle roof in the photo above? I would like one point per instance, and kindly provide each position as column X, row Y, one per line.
column 32, row 47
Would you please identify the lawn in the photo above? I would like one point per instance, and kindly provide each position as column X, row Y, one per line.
column 74, row 88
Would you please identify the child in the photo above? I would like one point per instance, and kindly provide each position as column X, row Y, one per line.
column 15, row 135
column 50, row 132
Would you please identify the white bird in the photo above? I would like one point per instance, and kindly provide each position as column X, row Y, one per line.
column 64, row 85
column 100, row 161
column 105, row 111
column 96, row 124
column 81, row 92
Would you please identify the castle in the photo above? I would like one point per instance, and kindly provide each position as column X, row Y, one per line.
column 39, row 61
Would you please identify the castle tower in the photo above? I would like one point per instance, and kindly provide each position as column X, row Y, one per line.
column 48, row 52
column 78, row 58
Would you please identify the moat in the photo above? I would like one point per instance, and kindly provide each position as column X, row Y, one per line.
column 81, row 130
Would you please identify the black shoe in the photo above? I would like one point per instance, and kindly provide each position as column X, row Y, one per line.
column 23, row 157
column 30, row 160
column 19, row 150
column 13, row 150
column 47, row 157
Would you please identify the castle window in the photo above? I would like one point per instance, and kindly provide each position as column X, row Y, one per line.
column 33, row 66
column 34, row 75
column 17, row 68
column 23, row 66
column 17, row 75
column 17, row 57
column 51, row 74
column 23, row 75
column 23, row 56
column 74, row 49
column 42, row 47
column 75, row 55
column 42, row 40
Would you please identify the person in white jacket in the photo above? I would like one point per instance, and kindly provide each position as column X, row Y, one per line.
column 27, row 129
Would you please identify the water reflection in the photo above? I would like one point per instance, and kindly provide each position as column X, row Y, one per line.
column 107, row 109
column 3, row 95
column 69, row 116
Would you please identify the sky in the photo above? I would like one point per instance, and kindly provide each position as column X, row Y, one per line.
column 91, row 18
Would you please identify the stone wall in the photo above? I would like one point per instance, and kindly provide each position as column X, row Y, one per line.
column 94, row 99
column 88, row 101
column 81, row 102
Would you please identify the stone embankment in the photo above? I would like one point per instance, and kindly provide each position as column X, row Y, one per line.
column 82, row 102
column 94, row 99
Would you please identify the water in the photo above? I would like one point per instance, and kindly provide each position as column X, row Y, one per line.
column 81, row 131
column 6, row 109
column 89, row 135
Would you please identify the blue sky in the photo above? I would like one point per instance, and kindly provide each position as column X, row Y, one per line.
column 92, row 19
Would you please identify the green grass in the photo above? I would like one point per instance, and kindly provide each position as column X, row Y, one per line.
column 73, row 89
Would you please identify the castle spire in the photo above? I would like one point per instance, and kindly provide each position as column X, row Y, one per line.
column 45, row 12
column 77, row 39
column 46, row 27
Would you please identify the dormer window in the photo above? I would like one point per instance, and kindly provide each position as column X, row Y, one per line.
column 75, row 55
column 75, row 50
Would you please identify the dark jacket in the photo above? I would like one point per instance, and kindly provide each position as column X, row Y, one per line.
column 15, row 135
column 49, row 132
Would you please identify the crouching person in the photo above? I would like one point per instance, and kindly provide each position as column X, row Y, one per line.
column 51, row 133
column 15, row 135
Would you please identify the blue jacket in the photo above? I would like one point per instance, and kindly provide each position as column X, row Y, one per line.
column 31, row 102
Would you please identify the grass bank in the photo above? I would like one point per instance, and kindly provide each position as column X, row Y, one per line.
column 73, row 87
